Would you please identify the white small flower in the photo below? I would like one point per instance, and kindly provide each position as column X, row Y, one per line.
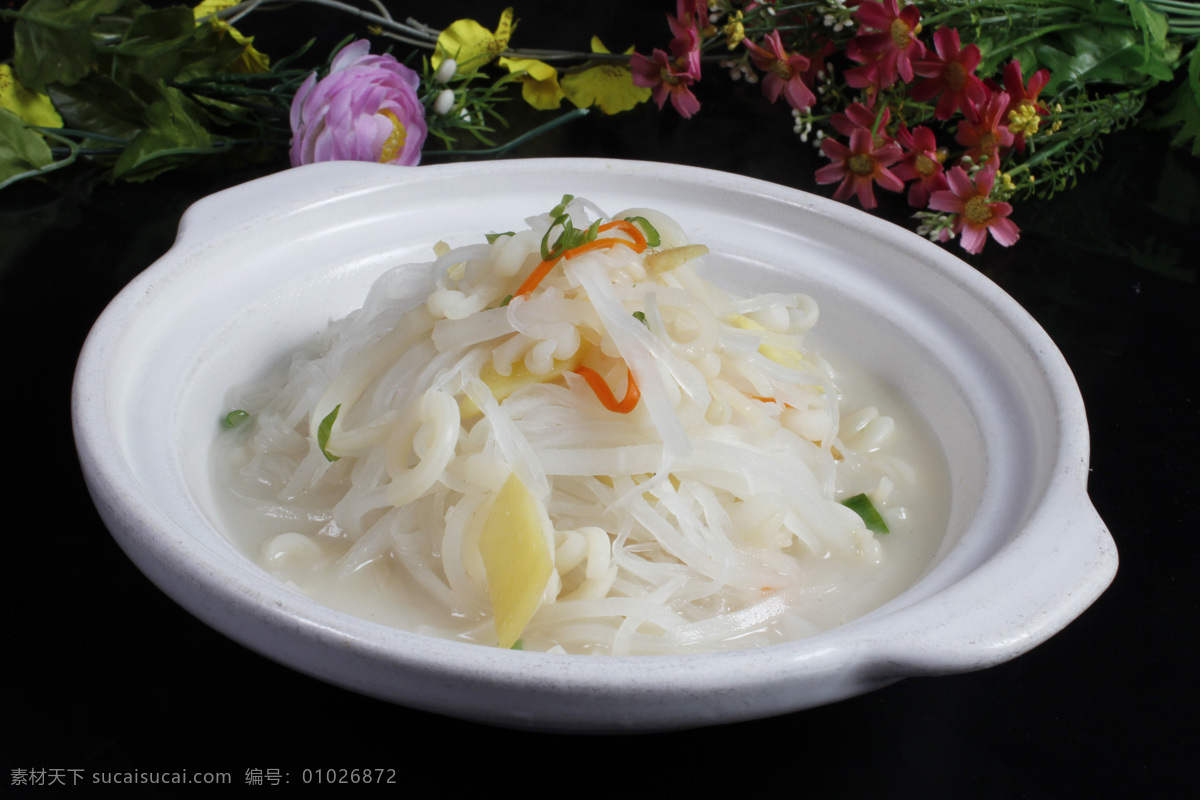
column 446, row 71
column 444, row 102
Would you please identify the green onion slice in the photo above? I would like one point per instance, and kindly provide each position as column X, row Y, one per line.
column 234, row 418
column 323, row 431
column 861, row 504
column 652, row 237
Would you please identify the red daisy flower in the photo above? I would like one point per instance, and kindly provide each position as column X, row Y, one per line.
column 983, row 132
column 685, row 46
column 921, row 164
column 857, row 116
column 1023, row 112
column 951, row 74
column 860, row 166
column 672, row 76
column 975, row 217
column 784, row 72
column 887, row 53
column 662, row 75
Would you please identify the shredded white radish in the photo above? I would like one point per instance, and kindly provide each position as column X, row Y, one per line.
column 706, row 515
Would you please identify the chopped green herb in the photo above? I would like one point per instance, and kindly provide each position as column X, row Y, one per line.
column 561, row 207
column 507, row 299
column 492, row 237
column 862, row 505
column 652, row 237
column 640, row 316
column 548, row 253
column 234, row 418
column 323, row 432
column 570, row 237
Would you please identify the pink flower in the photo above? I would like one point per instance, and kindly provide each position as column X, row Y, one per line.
column 692, row 10
column 888, row 46
column 975, row 216
column 922, row 165
column 365, row 109
column 784, row 72
column 667, row 80
column 1023, row 107
column 857, row 116
column 983, row 132
column 951, row 74
column 861, row 165
column 685, row 46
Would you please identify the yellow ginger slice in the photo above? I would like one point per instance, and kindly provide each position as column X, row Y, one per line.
column 667, row 260
column 516, row 558
column 780, row 355
column 504, row 385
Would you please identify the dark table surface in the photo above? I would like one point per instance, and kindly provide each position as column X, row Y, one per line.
column 105, row 673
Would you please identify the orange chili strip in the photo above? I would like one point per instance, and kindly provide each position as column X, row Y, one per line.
column 535, row 277
column 768, row 400
column 605, row 395
column 543, row 269
column 639, row 240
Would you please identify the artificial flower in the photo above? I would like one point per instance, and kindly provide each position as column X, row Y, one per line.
column 859, row 117
column 1024, row 112
column 365, row 109
column 661, row 75
column 860, row 166
column 983, row 132
column 606, row 84
column 888, row 46
column 539, row 82
column 250, row 61
column 693, row 9
column 734, row 30
column 33, row 108
column 921, row 166
column 950, row 74
column 472, row 45
column 784, row 72
column 685, row 46
column 975, row 216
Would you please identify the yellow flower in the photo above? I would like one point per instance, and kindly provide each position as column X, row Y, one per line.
column 1024, row 119
column 472, row 45
column 251, row 61
column 32, row 107
column 539, row 82
column 607, row 84
column 734, row 30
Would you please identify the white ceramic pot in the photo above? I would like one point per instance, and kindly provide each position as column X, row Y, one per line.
column 260, row 268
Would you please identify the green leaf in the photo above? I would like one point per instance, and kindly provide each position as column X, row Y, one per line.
column 152, row 48
column 21, row 149
column 1093, row 54
column 172, row 138
column 324, row 429
column 100, row 105
column 1180, row 108
column 53, row 40
column 1152, row 23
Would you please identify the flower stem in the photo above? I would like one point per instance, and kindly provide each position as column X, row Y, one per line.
column 520, row 140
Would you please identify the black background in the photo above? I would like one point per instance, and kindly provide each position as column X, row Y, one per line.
column 104, row 672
